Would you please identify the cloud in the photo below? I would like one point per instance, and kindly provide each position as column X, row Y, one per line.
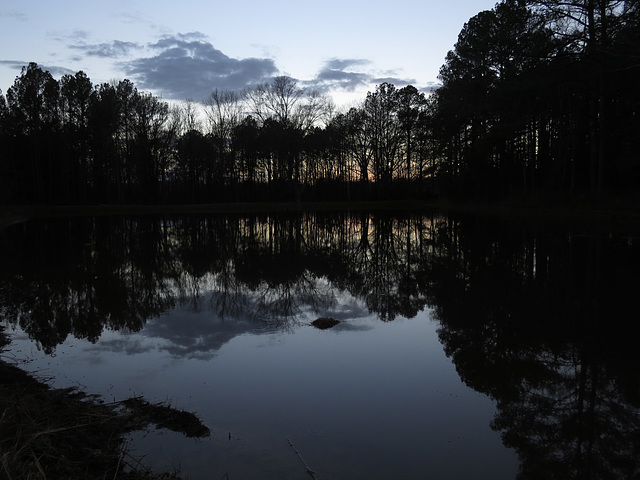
column 114, row 49
column 131, row 17
column 14, row 64
column 349, row 75
column 66, row 37
column 345, row 63
column 187, row 66
column 430, row 87
column 77, row 41
column 52, row 69
column 397, row 81
column 13, row 15
column 338, row 73
column 56, row 71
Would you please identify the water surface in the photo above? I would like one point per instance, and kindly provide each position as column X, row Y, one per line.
column 466, row 348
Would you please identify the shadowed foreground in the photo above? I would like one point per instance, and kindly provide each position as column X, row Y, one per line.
column 65, row 433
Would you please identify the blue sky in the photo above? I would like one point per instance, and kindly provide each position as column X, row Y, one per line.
column 184, row 50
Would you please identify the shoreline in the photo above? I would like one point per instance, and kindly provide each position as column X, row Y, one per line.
column 69, row 433
column 615, row 211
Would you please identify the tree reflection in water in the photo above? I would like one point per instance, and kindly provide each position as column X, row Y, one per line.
column 536, row 319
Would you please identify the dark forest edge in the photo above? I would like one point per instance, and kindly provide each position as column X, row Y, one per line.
column 537, row 98
column 11, row 214
column 624, row 210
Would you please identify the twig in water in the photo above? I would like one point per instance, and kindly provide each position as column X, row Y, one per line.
column 309, row 471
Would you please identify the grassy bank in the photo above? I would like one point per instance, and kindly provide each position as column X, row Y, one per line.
column 48, row 433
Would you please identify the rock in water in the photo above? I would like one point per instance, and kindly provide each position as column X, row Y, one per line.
column 325, row 322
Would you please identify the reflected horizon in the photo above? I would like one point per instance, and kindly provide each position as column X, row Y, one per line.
column 531, row 321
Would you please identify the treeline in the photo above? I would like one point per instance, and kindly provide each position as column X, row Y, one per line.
column 535, row 96
column 542, row 95
column 69, row 141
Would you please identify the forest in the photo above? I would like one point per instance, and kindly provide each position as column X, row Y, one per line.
column 535, row 97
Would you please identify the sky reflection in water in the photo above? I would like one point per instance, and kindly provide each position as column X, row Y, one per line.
column 366, row 399
column 459, row 336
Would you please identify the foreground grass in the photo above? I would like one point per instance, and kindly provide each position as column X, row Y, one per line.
column 48, row 433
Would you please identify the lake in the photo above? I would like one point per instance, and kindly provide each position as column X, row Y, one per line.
column 465, row 346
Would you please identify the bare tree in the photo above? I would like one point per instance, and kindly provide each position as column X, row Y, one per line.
column 317, row 108
column 223, row 109
column 275, row 100
column 185, row 117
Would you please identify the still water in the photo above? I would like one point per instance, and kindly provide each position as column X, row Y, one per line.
column 466, row 348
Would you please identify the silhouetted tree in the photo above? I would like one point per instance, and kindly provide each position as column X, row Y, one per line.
column 224, row 111
column 410, row 106
column 524, row 87
column 103, row 122
column 245, row 144
column 193, row 152
column 150, row 141
column 275, row 100
column 381, row 110
column 75, row 98
column 34, row 111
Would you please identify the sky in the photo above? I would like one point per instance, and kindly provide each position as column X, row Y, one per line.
column 185, row 49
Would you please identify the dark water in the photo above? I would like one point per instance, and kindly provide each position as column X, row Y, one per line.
column 466, row 348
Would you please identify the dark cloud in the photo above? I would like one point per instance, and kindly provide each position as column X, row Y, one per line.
column 187, row 66
column 350, row 74
column 349, row 81
column 345, row 63
column 339, row 74
column 115, row 49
